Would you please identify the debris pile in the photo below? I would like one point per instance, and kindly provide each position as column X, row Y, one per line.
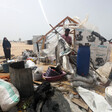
column 70, row 86
column 28, row 55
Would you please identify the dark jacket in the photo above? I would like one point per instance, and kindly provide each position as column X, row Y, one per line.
column 6, row 44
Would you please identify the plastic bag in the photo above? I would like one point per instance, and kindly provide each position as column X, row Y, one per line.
column 96, row 102
column 30, row 64
column 37, row 75
column 108, row 94
column 66, row 65
column 9, row 95
column 104, row 71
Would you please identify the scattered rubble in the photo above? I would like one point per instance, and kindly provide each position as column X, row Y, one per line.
column 60, row 88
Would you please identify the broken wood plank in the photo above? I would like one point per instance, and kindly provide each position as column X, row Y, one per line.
column 80, row 103
column 38, row 82
column 89, row 110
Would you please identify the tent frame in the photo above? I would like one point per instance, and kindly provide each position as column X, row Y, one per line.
column 60, row 24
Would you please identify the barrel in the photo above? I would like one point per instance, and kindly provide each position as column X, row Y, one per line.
column 21, row 78
column 83, row 60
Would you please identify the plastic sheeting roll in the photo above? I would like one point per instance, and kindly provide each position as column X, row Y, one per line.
column 108, row 94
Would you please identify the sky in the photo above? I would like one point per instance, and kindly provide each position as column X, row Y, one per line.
column 24, row 18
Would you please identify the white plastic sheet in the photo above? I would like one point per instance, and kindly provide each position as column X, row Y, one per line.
column 66, row 65
column 51, row 44
column 104, row 71
column 108, row 94
column 29, row 64
column 96, row 102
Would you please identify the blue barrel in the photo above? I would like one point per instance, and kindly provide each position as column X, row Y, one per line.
column 83, row 60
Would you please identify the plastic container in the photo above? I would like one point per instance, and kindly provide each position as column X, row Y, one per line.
column 83, row 60
column 53, row 78
column 52, row 71
column 5, row 67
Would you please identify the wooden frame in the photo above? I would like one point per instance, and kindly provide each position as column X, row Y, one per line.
column 60, row 24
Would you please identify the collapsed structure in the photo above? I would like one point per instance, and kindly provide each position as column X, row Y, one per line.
column 81, row 33
column 74, row 69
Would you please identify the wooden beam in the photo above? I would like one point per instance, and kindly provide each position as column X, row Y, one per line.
column 72, row 20
column 43, row 43
column 60, row 25
column 69, row 20
column 73, row 44
column 89, row 110
column 40, row 38
column 80, row 103
column 72, row 31
column 71, row 24
column 52, row 29
column 56, row 26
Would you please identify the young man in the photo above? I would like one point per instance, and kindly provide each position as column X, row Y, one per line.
column 66, row 36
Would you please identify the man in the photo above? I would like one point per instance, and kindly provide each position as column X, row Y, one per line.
column 62, row 44
column 66, row 36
